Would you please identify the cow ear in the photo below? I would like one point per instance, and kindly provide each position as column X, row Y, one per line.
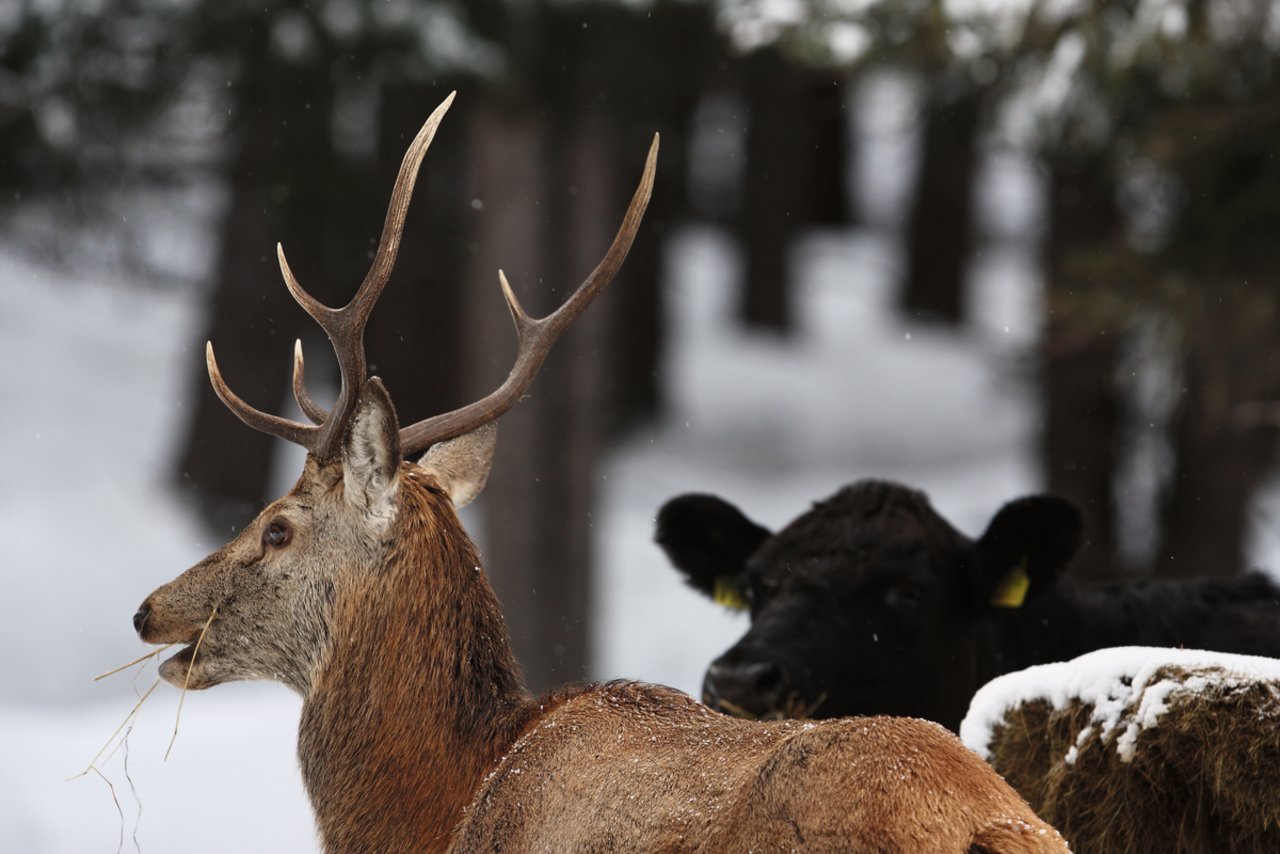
column 709, row 540
column 1026, row 547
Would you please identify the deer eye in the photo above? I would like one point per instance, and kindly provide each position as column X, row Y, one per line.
column 277, row 534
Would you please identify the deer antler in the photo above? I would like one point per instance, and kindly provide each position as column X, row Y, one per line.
column 535, row 337
column 309, row 407
column 345, row 328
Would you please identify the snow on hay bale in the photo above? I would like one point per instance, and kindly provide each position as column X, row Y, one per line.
column 1141, row 749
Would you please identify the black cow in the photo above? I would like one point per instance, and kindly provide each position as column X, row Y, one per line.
column 872, row 603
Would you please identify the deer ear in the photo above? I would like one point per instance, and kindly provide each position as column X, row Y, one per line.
column 461, row 465
column 371, row 451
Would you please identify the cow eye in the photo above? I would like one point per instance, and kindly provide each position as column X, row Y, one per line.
column 277, row 534
column 757, row 590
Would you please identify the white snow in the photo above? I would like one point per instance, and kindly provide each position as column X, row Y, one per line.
column 1110, row 681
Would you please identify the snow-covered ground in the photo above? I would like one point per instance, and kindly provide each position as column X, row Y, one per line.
column 91, row 375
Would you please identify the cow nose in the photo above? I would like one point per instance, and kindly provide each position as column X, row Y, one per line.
column 140, row 618
column 752, row 686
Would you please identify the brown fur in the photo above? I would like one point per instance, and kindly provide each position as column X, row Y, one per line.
column 634, row 767
column 418, row 692
column 414, row 709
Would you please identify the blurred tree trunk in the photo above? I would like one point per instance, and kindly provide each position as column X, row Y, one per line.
column 506, row 152
column 1082, row 409
column 940, row 226
column 797, row 144
column 540, row 496
column 556, row 158
column 1218, row 467
column 1082, row 420
column 1223, row 255
column 628, row 76
column 281, row 165
column 829, row 150
column 633, row 393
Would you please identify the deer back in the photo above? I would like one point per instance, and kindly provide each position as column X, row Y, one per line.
column 633, row 767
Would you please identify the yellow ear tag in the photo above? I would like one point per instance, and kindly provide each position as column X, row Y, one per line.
column 728, row 594
column 1011, row 592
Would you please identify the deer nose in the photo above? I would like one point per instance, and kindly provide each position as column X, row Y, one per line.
column 140, row 618
column 750, row 686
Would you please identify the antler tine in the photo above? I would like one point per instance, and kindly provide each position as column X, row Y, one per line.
column 393, row 228
column 309, row 407
column 319, row 312
column 345, row 326
column 536, row 337
column 281, row 428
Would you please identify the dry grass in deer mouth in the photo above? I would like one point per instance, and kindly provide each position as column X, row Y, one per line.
column 107, row 749
column 139, row 660
column 120, row 736
column 195, row 651
column 112, row 745
column 93, row 763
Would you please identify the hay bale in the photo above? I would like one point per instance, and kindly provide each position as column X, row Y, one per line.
column 1141, row 749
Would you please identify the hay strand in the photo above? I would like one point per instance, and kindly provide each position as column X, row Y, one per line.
column 792, row 707
column 119, row 809
column 138, row 660
column 177, row 718
column 93, row 763
column 137, row 822
column 735, row 710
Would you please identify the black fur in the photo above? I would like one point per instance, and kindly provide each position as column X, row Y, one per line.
column 871, row 603
column 707, row 538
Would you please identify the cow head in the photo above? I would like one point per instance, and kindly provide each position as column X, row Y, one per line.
column 870, row 603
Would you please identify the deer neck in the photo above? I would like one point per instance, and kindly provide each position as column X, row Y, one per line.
column 418, row 694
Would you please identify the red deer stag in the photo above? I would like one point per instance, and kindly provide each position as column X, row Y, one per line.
column 361, row 591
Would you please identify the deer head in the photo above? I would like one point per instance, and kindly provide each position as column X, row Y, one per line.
column 261, row 607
